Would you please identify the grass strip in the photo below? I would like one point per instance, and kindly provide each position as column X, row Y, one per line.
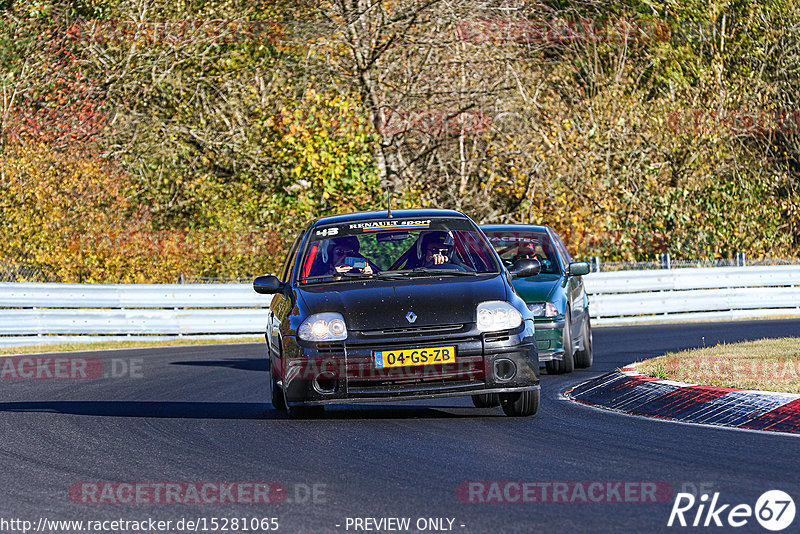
column 132, row 344
column 764, row 365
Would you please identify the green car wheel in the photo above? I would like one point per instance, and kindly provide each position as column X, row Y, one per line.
column 567, row 364
column 585, row 357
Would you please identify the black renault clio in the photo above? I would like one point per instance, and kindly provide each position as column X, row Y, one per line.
column 398, row 305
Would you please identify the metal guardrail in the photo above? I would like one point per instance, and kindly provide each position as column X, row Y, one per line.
column 34, row 313
column 627, row 297
column 665, row 261
column 30, row 295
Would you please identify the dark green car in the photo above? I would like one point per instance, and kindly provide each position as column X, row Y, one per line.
column 556, row 295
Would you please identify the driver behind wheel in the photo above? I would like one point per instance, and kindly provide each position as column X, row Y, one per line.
column 526, row 251
column 436, row 248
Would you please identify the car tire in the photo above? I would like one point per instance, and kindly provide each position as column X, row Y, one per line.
column 567, row 363
column 302, row 412
column 522, row 404
column 486, row 400
column 278, row 402
column 553, row 367
column 585, row 357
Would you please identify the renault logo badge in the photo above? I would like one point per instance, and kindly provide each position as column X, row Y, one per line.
column 411, row 317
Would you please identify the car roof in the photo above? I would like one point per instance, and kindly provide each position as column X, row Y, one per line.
column 514, row 227
column 396, row 214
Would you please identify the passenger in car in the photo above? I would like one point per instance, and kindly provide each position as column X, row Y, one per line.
column 335, row 255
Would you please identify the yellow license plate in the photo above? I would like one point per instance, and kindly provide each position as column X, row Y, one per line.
column 422, row 356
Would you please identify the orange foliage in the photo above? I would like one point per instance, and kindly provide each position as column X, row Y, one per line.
column 74, row 213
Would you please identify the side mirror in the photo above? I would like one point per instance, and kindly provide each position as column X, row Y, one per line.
column 525, row 267
column 267, row 285
column 579, row 268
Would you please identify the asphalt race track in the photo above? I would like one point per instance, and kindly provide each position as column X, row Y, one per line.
column 201, row 414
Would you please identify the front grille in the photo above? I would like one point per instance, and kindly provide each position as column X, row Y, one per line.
column 330, row 348
column 413, row 330
column 468, row 371
column 373, row 389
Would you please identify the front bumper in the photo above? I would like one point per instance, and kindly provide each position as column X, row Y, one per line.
column 424, row 395
column 550, row 339
column 338, row 373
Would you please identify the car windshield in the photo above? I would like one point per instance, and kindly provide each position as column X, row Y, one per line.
column 513, row 245
column 395, row 248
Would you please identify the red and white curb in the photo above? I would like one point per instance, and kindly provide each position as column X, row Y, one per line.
column 630, row 392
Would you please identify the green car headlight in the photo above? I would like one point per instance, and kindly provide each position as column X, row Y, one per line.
column 543, row 309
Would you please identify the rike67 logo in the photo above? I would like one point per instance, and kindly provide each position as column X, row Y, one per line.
column 774, row 510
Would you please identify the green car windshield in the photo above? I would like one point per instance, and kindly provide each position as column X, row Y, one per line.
column 517, row 244
column 392, row 248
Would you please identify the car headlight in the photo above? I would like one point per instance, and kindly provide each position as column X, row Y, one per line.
column 543, row 309
column 327, row 326
column 497, row 315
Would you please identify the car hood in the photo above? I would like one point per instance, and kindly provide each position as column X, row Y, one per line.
column 537, row 288
column 381, row 304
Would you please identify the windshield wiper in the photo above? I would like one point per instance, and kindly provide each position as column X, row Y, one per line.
column 436, row 270
column 317, row 278
column 336, row 277
column 424, row 271
column 419, row 271
column 351, row 274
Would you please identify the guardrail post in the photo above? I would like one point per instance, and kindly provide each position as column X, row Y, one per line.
column 594, row 262
column 740, row 259
column 665, row 263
